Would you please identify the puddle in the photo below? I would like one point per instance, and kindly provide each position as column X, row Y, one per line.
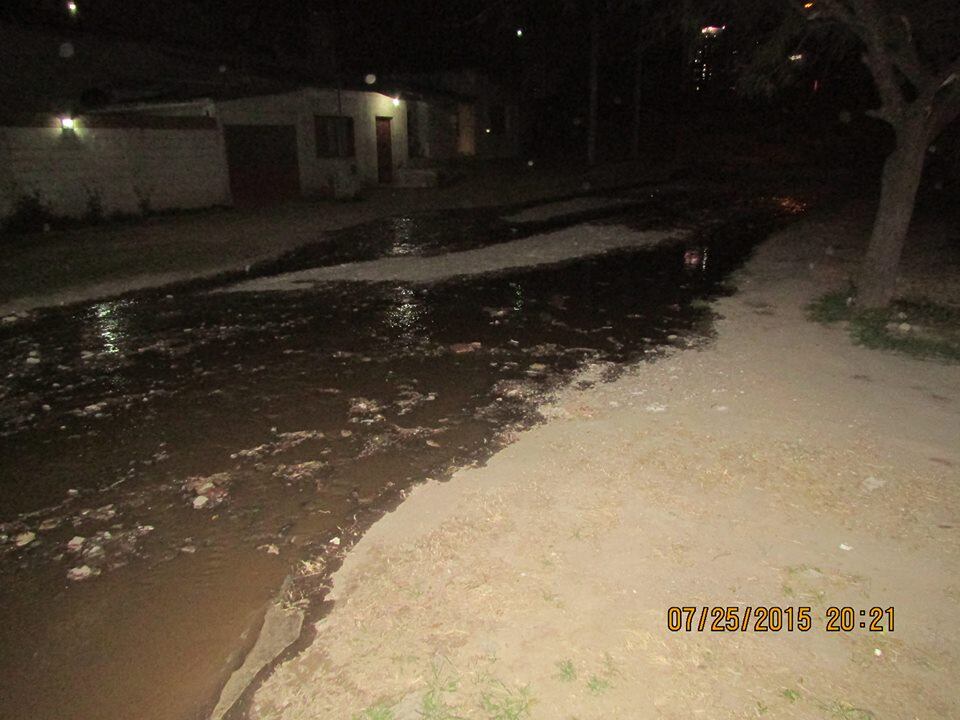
column 189, row 450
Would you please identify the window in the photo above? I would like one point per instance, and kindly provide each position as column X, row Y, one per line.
column 334, row 136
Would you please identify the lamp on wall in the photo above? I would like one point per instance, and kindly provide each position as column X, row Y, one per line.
column 66, row 124
column 396, row 101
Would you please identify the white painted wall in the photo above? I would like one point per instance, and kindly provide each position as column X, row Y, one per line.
column 299, row 108
column 123, row 167
column 184, row 168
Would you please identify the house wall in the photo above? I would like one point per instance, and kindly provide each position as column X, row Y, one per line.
column 444, row 130
column 493, row 144
column 299, row 108
column 173, row 156
column 124, row 165
column 475, row 119
column 436, row 127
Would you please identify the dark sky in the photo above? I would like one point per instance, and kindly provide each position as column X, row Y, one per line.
column 373, row 35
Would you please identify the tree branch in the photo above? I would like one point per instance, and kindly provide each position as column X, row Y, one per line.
column 868, row 19
column 905, row 57
column 945, row 107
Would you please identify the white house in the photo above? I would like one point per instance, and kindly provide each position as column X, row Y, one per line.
column 310, row 142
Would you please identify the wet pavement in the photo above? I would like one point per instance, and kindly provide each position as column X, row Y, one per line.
column 166, row 460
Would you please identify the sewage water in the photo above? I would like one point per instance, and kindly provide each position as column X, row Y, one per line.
column 179, row 454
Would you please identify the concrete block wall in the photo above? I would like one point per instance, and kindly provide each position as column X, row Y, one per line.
column 122, row 165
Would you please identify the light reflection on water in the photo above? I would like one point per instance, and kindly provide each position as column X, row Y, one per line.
column 403, row 236
column 111, row 322
column 406, row 314
column 517, row 296
column 696, row 259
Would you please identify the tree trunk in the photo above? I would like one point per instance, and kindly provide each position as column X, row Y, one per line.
column 898, row 194
column 594, row 92
column 637, row 87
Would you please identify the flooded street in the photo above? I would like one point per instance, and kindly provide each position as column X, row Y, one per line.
column 168, row 458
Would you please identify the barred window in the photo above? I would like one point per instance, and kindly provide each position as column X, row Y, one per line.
column 334, row 136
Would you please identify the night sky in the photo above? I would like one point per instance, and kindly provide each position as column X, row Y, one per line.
column 415, row 35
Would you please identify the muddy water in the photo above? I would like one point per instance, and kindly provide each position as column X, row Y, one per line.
column 282, row 416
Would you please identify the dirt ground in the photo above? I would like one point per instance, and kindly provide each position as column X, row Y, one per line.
column 779, row 465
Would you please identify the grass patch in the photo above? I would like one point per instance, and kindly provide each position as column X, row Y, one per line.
column 434, row 705
column 845, row 711
column 377, row 712
column 502, row 703
column 597, row 685
column 920, row 328
column 566, row 671
column 791, row 695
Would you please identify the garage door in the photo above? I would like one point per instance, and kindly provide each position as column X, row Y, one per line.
column 262, row 160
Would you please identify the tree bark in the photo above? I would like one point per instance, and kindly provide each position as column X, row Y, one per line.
column 901, row 180
column 637, row 88
column 594, row 91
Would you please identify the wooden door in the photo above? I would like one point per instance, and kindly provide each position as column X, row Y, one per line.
column 384, row 150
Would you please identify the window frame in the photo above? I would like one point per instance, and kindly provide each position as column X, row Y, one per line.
column 332, row 142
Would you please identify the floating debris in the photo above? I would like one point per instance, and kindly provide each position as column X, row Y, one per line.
column 208, row 491
column 83, row 572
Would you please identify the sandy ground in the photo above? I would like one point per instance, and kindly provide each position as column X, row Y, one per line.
column 81, row 265
column 777, row 466
column 543, row 249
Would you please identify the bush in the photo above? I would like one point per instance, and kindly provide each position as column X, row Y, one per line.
column 30, row 214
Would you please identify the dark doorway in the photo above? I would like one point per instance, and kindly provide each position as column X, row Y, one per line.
column 384, row 150
column 262, row 161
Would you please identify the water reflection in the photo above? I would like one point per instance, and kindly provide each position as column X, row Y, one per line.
column 403, row 236
column 791, row 205
column 695, row 259
column 405, row 314
column 110, row 323
column 517, row 296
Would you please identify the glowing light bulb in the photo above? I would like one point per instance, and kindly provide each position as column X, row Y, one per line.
column 66, row 123
column 519, row 32
column 72, row 7
column 396, row 102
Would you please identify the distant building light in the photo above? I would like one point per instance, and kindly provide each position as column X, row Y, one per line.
column 488, row 131
column 519, row 32
column 712, row 30
column 72, row 7
column 808, row 5
column 66, row 124
column 396, row 102
column 370, row 78
column 796, row 57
